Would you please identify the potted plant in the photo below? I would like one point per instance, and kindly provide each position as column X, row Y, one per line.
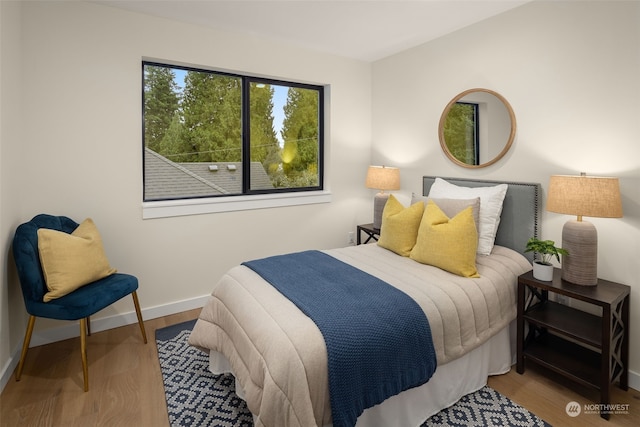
column 546, row 249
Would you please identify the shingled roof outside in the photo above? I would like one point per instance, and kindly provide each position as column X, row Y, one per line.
column 164, row 179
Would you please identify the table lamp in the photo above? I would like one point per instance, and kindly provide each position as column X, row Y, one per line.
column 597, row 197
column 382, row 178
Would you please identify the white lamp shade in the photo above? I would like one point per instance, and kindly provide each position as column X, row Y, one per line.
column 383, row 178
column 593, row 196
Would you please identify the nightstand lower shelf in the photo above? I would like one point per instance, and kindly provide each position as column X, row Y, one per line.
column 566, row 358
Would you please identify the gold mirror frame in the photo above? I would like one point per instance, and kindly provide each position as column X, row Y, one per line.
column 508, row 143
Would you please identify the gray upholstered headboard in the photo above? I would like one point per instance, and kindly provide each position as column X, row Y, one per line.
column 520, row 210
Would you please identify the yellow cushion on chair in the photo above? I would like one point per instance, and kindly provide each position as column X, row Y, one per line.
column 449, row 244
column 70, row 261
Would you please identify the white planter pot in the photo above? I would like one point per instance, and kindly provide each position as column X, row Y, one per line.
column 543, row 272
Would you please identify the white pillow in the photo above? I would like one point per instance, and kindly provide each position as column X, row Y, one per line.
column 491, row 199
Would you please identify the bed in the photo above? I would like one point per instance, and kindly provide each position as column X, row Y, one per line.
column 279, row 357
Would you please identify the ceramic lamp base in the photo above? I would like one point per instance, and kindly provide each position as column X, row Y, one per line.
column 580, row 267
column 378, row 206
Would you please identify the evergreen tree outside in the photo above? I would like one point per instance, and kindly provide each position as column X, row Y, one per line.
column 212, row 109
column 161, row 102
column 301, row 137
column 263, row 139
column 174, row 145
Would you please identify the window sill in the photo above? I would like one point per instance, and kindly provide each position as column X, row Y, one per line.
column 171, row 208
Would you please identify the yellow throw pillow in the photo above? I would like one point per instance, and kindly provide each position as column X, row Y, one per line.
column 70, row 261
column 449, row 244
column 399, row 227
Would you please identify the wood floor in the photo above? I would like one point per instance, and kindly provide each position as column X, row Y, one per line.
column 546, row 394
column 125, row 386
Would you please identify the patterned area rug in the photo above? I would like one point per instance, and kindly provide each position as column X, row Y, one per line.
column 485, row 407
column 196, row 397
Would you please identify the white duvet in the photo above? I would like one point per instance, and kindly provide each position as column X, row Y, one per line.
column 279, row 357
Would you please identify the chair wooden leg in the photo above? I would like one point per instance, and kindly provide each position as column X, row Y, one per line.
column 88, row 326
column 83, row 351
column 25, row 346
column 139, row 314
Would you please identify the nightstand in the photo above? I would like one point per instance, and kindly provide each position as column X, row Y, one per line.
column 589, row 349
column 369, row 231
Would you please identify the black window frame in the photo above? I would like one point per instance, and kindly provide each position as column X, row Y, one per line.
column 246, row 81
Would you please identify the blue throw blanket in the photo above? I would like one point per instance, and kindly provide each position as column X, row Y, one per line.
column 378, row 339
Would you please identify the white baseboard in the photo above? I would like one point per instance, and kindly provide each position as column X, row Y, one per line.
column 72, row 330
column 634, row 381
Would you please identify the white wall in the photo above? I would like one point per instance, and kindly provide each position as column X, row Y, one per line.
column 11, row 319
column 80, row 151
column 570, row 71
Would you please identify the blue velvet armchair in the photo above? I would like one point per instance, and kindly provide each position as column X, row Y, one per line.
column 77, row 305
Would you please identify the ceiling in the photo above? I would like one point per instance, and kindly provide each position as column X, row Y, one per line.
column 364, row 30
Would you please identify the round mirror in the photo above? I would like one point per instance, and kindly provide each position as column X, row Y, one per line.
column 477, row 128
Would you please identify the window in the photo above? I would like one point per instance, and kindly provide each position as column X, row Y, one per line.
column 461, row 132
column 209, row 134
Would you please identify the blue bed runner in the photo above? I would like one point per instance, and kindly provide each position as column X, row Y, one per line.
column 378, row 338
